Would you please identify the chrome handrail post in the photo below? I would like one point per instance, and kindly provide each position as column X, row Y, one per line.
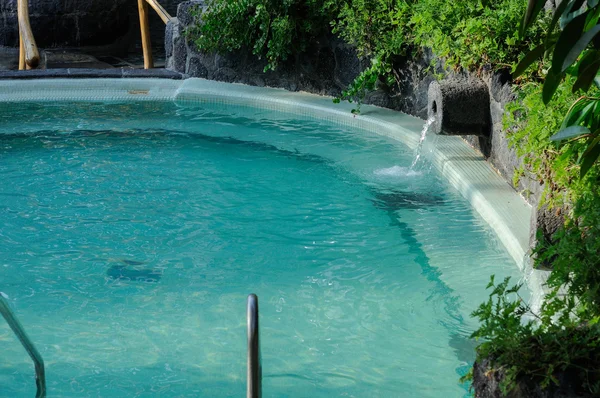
column 254, row 389
column 17, row 328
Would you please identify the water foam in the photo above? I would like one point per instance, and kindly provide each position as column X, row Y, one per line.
column 397, row 171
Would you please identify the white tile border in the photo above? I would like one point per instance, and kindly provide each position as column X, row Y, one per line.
column 489, row 194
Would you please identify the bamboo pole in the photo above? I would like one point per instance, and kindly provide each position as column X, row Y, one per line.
column 162, row 13
column 27, row 41
column 21, row 52
column 145, row 29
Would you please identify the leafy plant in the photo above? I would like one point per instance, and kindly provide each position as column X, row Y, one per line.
column 472, row 33
column 271, row 29
column 540, row 350
column 574, row 50
column 464, row 32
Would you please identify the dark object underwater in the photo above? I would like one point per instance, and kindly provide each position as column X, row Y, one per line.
column 396, row 200
column 123, row 272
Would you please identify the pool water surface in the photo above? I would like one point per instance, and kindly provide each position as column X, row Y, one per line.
column 131, row 234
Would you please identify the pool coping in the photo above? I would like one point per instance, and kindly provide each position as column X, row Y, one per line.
column 87, row 73
column 489, row 194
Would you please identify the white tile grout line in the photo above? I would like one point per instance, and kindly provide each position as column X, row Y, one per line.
column 497, row 203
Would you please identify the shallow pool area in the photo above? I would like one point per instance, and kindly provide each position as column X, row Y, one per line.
column 132, row 232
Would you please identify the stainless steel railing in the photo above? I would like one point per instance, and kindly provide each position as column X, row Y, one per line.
column 15, row 325
column 254, row 389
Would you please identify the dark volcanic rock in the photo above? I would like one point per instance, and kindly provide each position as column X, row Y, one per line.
column 486, row 384
column 67, row 22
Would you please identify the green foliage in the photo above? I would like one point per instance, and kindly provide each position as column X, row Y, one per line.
column 273, row 29
column 378, row 28
column 465, row 32
column 470, row 34
column 367, row 81
column 564, row 339
column 575, row 51
column 531, row 125
column 541, row 349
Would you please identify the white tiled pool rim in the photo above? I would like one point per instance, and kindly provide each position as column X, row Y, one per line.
column 490, row 195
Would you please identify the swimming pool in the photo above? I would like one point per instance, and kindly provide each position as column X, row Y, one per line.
column 133, row 231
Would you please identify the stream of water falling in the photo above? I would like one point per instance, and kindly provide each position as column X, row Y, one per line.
column 419, row 148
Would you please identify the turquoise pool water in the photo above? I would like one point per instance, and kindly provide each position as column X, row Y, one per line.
column 366, row 271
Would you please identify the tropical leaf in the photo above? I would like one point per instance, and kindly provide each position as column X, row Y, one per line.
column 577, row 112
column 579, row 46
column 569, row 36
column 529, row 58
column 562, row 8
column 533, row 9
column 570, row 132
column 553, row 79
column 586, row 77
column 592, row 18
column 589, row 159
column 591, row 147
column 567, row 16
column 585, row 113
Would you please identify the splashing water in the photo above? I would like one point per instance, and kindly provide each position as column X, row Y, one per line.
column 419, row 149
column 397, row 171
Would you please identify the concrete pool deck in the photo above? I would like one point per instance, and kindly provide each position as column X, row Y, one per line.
column 467, row 171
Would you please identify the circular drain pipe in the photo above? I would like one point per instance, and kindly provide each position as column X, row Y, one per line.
column 459, row 107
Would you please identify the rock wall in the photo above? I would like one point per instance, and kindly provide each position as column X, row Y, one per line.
column 67, row 22
column 487, row 380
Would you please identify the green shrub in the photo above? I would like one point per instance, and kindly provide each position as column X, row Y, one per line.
column 470, row 35
column 464, row 32
column 538, row 352
column 271, row 29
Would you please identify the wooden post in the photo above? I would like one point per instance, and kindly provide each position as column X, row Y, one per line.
column 145, row 29
column 162, row 13
column 21, row 52
column 27, row 45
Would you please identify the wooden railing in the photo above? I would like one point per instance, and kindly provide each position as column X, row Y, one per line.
column 145, row 27
column 29, row 56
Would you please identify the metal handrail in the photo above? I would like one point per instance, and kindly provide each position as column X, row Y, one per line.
column 254, row 389
column 145, row 27
column 17, row 328
column 29, row 56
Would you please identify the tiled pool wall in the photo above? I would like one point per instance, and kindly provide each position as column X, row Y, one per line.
column 489, row 194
